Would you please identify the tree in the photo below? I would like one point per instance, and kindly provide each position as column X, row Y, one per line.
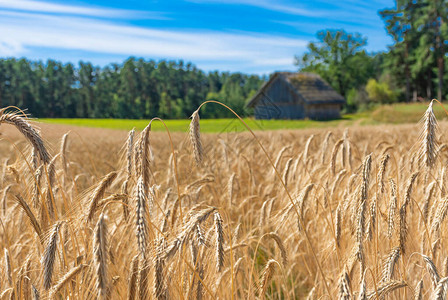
column 420, row 32
column 333, row 56
column 434, row 23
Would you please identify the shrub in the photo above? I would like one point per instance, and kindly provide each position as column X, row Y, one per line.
column 380, row 92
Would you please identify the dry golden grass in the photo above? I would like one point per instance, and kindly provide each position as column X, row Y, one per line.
column 356, row 214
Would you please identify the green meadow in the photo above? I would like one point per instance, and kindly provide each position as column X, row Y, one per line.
column 386, row 114
column 207, row 125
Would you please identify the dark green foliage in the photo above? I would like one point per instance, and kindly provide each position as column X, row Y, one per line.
column 338, row 58
column 417, row 60
column 413, row 68
column 134, row 90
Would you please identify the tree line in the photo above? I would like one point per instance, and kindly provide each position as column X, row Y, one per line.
column 135, row 89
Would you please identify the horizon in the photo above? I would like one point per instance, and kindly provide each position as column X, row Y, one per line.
column 252, row 37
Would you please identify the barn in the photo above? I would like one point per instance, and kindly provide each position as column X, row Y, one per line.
column 289, row 95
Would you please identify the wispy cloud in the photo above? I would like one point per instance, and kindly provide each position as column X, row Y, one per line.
column 292, row 9
column 22, row 31
column 47, row 7
column 318, row 10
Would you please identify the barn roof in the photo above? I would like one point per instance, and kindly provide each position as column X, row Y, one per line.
column 308, row 86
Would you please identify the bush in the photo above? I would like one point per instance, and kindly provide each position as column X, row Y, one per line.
column 357, row 100
column 380, row 92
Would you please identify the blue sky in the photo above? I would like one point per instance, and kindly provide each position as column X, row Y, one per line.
column 251, row 36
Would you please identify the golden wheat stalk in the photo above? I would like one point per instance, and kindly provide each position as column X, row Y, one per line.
column 432, row 270
column 33, row 136
column 344, row 292
column 65, row 280
column 219, row 245
column 386, row 288
column 389, row 265
column 29, row 214
column 392, row 208
column 49, row 256
column 440, row 292
column 281, row 247
column 141, row 218
column 418, row 294
column 428, row 143
column 195, row 138
column 98, row 193
column 143, row 157
column 382, row 171
column 63, row 152
column 100, row 254
column 266, row 277
column 133, row 275
column 8, row 269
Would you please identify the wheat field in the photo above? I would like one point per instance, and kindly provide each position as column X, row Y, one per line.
column 351, row 213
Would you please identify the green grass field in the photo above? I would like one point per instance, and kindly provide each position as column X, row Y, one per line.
column 388, row 114
column 405, row 113
column 207, row 125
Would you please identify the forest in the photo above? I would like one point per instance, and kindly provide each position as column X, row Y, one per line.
column 412, row 69
column 136, row 89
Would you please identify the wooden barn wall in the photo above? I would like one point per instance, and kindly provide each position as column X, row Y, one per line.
column 292, row 111
column 323, row 111
column 279, row 102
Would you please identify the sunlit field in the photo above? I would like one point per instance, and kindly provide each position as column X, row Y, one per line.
column 334, row 213
column 386, row 114
column 208, row 125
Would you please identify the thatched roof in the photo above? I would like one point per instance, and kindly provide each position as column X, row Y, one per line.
column 309, row 87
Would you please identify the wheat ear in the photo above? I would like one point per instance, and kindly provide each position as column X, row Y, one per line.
column 362, row 289
column 219, row 245
column 130, row 151
column 389, row 265
column 132, row 286
column 266, row 277
column 49, row 256
column 65, row 279
column 98, row 193
column 8, row 268
column 195, row 138
column 428, row 144
column 344, row 286
column 418, row 294
column 29, row 214
column 382, row 171
column 432, row 270
column 100, row 254
column 392, row 208
column 334, row 153
column 33, row 136
column 143, row 279
column 36, row 294
column 440, row 215
column 325, row 146
column 440, row 292
column 386, row 288
column 281, row 247
column 142, row 156
column 63, row 152
column 141, row 219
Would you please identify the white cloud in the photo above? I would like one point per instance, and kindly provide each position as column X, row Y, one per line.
column 249, row 51
column 47, row 7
